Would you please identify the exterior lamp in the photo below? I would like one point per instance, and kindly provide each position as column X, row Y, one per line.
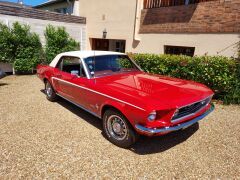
column 104, row 33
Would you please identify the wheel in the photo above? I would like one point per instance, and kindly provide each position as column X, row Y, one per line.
column 50, row 92
column 118, row 130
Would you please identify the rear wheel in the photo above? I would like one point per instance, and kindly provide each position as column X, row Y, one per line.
column 50, row 92
column 118, row 130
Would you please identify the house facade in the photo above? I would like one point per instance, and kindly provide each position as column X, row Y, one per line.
column 191, row 27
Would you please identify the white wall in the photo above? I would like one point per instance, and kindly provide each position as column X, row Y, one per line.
column 76, row 31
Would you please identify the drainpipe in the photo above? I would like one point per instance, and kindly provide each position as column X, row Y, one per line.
column 137, row 20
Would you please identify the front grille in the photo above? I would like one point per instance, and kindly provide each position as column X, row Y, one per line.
column 191, row 109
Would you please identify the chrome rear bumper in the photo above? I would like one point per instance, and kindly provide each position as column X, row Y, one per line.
column 164, row 130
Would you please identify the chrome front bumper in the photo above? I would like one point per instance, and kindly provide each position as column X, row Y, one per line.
column 164, row 130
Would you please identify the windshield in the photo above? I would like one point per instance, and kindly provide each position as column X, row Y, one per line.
column 109, row 64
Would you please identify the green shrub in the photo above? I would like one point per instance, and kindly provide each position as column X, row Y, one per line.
column 238, row 49
column 233, row 96
column 20, row 46
column 221, row 74
column 58, row 41
column 7, row 46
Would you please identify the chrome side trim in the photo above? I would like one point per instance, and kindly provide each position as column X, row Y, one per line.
column 151, row 131
column 99, row 93
column 76, row 104
column 192, row 114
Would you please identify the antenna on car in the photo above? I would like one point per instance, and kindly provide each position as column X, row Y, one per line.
column 92, row 65
column 94, row 58
column 94, row 62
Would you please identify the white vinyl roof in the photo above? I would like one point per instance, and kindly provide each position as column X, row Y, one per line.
column 82, row 55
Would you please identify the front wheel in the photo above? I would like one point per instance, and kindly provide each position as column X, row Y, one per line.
column 118, row 130
column 50, row 92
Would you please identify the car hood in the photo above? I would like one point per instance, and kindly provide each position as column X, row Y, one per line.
column 144, row 89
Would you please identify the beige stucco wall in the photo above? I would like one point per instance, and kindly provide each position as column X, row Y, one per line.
column 211, row 44
column 118, row 18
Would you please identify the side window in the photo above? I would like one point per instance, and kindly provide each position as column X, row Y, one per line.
column 71, row 65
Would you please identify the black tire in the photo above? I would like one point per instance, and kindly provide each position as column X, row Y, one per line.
column 50, row 92
column 119, row 132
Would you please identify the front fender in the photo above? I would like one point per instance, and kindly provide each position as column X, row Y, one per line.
column 133, row 114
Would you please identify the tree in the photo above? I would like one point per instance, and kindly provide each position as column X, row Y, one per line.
column 58, row 41
column 20, row 47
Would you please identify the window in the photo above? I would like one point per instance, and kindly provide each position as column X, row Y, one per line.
column 71, row 65
column 109, row 64
column 179, row 50
column 120, row 46
column 64, row 10
column 61, row 10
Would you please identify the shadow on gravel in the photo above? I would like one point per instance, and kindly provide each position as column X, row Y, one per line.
column 96, row 122
column 145, row 145
column 151, row 145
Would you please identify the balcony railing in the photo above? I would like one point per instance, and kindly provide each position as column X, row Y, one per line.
column 149, row 4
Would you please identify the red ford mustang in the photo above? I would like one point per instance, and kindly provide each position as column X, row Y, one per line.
column 112, row 87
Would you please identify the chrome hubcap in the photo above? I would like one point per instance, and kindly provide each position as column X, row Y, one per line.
column 117, row 127
column 49, row 90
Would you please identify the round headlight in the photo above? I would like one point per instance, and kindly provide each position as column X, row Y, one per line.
column 152, row 116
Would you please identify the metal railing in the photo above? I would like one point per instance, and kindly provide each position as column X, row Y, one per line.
column 149, row 4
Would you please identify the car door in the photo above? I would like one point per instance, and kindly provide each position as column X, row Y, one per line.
column 71, row 77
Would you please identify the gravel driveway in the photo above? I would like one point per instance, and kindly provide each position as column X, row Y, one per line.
column 60, row 141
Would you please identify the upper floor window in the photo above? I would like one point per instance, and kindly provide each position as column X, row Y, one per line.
column 62, row 10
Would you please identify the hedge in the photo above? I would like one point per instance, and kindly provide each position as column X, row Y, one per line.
column 221, row 74
column 22, row 48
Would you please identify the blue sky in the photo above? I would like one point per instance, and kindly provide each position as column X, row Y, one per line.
column 28, row 2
